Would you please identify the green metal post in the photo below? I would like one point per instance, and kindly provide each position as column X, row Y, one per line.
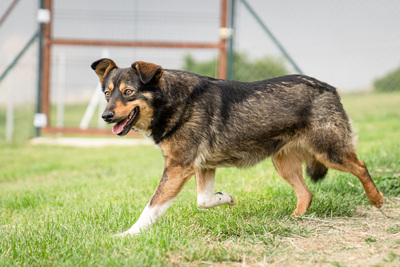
column 40, row 68
column 231, row 41
column 277, row 43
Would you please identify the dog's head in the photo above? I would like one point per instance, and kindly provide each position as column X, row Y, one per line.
column 129, row 93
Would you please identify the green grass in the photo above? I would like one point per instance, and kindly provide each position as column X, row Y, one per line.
column 23, row 123
column 61, row 205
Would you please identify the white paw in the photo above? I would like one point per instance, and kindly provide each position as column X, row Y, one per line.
column 215, row 200
column 133, row 231
column 224, row 198
column 126, row 234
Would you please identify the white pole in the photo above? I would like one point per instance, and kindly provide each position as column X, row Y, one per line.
column 101, row 124
column 91, row 108
column 10, row 107
column 94, row 101
column 61, row 90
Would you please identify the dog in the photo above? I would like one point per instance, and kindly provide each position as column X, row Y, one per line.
column 201, row 123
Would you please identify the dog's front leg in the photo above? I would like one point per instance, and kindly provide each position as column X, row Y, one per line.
column 205, row 188
column 172, row 181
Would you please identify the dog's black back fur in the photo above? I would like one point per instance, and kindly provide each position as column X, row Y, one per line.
column 257, row 118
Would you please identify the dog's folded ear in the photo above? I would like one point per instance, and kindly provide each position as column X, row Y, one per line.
column 147, row 71
column 102, row 67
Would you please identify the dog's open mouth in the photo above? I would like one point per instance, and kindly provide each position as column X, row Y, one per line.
column 123, row 127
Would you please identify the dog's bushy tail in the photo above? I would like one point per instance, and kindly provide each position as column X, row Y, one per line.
column 316, row 170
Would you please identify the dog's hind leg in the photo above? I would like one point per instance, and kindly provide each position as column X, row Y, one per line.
column 351, row 164
column 172, row 181
column 289, row 167
column 205, row 187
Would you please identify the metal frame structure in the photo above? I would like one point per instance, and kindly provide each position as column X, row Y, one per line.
column 48, row 42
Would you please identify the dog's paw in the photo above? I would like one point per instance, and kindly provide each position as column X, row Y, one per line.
column 225, row 198
column 215, row 200
column 128, row 233
column 378, row 201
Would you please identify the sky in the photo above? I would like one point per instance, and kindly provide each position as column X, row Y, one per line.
column 345, row 43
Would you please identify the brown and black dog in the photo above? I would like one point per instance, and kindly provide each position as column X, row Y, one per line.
column 201, row 123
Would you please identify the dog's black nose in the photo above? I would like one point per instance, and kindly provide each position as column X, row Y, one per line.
column 108, row 116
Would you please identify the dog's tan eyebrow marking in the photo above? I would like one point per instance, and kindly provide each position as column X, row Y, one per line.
column 122, row 87
column 111, row 87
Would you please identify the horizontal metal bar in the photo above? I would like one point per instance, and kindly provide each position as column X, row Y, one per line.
column 58, row 41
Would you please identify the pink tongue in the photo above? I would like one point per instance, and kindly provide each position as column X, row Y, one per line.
column 119, row 126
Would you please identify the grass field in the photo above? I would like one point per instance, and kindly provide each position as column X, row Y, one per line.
column 61, row 206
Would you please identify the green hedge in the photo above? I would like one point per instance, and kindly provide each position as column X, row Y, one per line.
column 388, row 83
column 244, row 68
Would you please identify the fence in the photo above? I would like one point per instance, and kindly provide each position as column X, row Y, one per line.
column 124, row 31
column 348, row 44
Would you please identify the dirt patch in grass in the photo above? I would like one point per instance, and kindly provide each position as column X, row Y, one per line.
column 370, row 238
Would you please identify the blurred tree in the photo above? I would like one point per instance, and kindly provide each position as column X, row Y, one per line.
column 244, row 69
column 388, row 83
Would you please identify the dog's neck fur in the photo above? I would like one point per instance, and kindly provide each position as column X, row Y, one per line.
column 177, row 87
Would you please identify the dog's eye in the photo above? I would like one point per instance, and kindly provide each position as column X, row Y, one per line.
column 128, row 92
column 107, row 93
